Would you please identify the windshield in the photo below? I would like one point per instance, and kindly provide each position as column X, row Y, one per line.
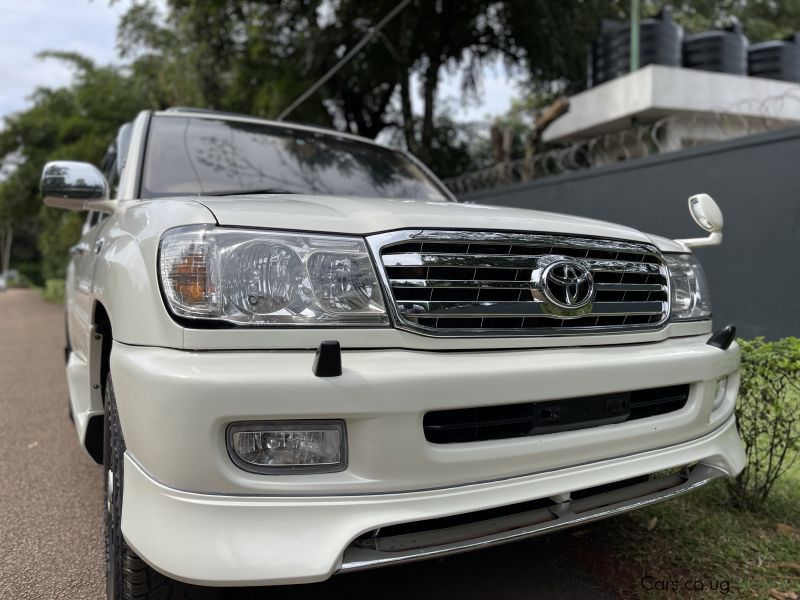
column 187, row 155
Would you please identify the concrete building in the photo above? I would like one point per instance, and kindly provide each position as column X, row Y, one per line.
column 659, row 109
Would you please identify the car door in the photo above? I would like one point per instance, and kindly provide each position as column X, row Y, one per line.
column 79, row 284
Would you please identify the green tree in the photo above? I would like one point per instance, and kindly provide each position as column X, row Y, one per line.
column 761, row 20
column 256, row 57
column 564, row 73
column 73, row 123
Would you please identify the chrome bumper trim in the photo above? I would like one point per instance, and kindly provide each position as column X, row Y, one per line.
column 438, row 542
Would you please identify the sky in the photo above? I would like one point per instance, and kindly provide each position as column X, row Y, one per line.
column 28, row 27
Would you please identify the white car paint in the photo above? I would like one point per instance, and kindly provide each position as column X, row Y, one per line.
column 195, row 516
column 371, row 215
column 174, row 407
column 210, row 539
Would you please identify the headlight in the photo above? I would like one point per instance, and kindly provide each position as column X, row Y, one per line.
column 690, row 294
column 269, row 278
column 281, row 447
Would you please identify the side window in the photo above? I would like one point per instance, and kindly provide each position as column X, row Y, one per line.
column 92, row 219
column 109, row 168
column 114, row 160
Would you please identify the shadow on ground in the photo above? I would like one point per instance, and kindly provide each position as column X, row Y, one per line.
column 540, row 568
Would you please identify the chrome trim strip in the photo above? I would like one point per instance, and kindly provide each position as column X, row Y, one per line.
column 620, row 266
column 485, row 284
column 505, row 261
column 490, row 261
column 508, row 237
column 630, row 287
column 546, row 520
column 497, row 284
column 402, row 319
column 460, row 308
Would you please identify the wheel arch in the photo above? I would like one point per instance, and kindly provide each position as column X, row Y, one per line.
column 100, row 359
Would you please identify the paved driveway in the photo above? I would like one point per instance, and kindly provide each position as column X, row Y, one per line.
column 51, row 543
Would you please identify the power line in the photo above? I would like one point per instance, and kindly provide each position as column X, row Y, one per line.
column 345, row 59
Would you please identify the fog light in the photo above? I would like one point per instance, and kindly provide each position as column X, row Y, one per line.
column 287, row 447
column 719, row 393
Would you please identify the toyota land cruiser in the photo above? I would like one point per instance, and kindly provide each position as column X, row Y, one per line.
column 296, row 354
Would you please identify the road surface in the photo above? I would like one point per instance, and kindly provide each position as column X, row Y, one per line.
column 51, row 543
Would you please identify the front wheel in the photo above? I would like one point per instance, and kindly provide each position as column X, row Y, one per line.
column 128, row 577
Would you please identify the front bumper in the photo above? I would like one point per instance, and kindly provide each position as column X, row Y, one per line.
column 192, row 514
column 174, row 408
column 248, row 540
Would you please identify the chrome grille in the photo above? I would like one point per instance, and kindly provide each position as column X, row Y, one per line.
column 477, row 283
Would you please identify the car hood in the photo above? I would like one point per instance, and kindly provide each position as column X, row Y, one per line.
column 363, row 216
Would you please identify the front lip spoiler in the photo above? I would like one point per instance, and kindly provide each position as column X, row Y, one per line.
column 561, row 515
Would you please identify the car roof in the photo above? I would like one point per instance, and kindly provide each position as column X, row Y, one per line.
column 204, row 113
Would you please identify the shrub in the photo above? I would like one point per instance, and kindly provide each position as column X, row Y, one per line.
column 768, row 414
column 54, row 290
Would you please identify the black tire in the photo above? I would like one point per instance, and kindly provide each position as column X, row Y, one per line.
column 128, row 577
column 67, row 343
column 67, row 352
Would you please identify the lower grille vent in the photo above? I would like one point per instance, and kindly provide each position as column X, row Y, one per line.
column 539, row 418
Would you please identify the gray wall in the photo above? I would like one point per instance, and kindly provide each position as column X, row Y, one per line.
column 755, row 274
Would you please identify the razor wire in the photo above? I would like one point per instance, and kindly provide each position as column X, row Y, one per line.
column 661, row 136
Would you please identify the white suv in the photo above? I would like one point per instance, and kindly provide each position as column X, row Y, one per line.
column 296, row 355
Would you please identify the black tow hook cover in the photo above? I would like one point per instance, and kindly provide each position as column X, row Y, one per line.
column 723, row 338
column 328, row 360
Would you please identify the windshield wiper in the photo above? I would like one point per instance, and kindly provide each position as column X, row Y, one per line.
column 247, row 192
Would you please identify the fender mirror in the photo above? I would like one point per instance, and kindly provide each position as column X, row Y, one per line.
column 708, row 215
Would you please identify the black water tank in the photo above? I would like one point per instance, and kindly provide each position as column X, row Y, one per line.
column 723, row 51
column 659, row 43
column 777, row 59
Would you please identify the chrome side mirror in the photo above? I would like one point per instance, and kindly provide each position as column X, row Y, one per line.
column 708, row 215
column 71, row 185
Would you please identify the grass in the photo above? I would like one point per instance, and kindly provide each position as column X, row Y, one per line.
column 54, row 290
column 699, row 544
column 698, row 537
